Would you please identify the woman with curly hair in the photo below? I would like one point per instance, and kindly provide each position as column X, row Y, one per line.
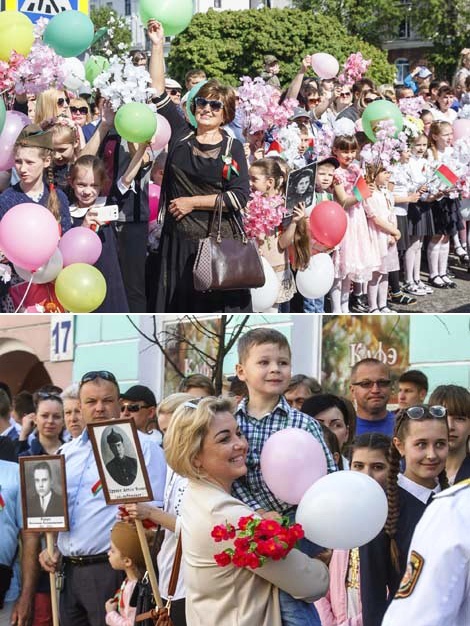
column 420, row 443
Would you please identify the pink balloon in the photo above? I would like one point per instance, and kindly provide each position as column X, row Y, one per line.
column 29, row 235
column 291, row 461
column 14, row 124
column 163, row 134
column 80, row 245
column 325, row 65
column 154, row 199
column 461, row 128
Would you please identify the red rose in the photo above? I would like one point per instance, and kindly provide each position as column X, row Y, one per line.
column 222, row 559
column 219, row 533
column 244, row 521
column 267, row 528
column 253, row 561
column 240, row 559
column 242, row 544
column 231, row 531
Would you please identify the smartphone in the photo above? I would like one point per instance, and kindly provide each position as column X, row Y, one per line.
column 109, row 213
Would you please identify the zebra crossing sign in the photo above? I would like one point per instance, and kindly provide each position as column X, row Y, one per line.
column 35, row 9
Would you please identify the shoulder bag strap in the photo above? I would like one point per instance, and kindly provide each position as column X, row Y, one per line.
column 175, row 569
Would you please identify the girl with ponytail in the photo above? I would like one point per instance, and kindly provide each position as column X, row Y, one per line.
column 418, row 455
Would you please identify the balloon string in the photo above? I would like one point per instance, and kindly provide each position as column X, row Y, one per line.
column 25, row 293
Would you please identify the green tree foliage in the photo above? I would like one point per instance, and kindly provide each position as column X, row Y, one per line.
column 446, row 23
column 118, row 39
column 371, row 20
column 231, row 44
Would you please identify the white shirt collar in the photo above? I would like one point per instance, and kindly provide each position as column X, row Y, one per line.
column 418, row 491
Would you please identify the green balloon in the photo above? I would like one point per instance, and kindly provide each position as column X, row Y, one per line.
column 100, row 33
column 69, row 33
column 191, row 95
column 136, row 122
column 174, row 15
column 80, row 288
column 3, row 114
column 94, row 66
column 376, row 112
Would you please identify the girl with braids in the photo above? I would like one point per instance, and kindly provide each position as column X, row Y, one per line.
column 368, row 454
column 33, row 161
column 420, row 442
column 66, row 143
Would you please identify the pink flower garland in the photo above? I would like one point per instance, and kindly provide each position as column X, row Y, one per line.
column 354, row 68
column 262, row 215
column 39, row 71
column 260, row 106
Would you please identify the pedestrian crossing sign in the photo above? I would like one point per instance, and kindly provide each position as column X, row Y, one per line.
column 35, row 9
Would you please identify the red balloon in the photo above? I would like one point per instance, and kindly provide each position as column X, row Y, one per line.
column 328, row 223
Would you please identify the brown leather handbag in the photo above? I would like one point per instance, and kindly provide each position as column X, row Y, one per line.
column 161, row 616
column 224, row 263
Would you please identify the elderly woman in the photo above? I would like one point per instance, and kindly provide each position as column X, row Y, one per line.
column 74, row 422
column 204, row 443
column 196, row 173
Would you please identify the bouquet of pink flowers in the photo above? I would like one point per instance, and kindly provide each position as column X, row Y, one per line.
column 386, row 150
column 412, row 106
column 260, row 106
column 256, row 540
column 354, row 68
column 262, row 215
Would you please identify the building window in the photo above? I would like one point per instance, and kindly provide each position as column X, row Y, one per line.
column 403, row 69
column 217, row 4
column 127, row 7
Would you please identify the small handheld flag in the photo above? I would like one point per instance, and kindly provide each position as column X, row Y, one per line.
column 2, row 502
column 361, row 189
column 446, row 175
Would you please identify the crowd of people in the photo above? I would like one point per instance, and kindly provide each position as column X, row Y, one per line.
column 395, row 249
column 202, row 455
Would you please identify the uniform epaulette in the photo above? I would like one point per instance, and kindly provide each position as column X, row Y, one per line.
column 454, row 489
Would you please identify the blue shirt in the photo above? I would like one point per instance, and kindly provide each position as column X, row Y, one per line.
column 10, row 521
column 384, row 426
column 90, row 518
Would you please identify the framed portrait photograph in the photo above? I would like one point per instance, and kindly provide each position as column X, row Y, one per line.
column 44, row 493
column 120, row 462
column 300, row 187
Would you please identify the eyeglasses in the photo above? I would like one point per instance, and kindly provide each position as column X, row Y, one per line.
column 62, row 101
column 133, row 408
column 314, row 100
column 344, row 94
column 382, row 383
column 104, row 374
column 417, row 412
column 82, row 110
column 215, row 105
column 45, row 395
column 369, row 100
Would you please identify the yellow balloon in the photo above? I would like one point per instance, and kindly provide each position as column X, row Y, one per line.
column 80, row 288
column 16, row 33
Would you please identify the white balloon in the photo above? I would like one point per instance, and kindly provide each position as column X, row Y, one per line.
column 343, row 510
column 317, row 280
column 264, row 297
column 46, row 273
column 75, row 73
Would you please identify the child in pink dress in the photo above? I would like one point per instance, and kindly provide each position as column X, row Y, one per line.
column 384, row 235
column 354, row 259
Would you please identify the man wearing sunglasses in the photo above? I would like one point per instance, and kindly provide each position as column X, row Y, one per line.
column 139, row 403
column 173, row 89
column 89, row 580
column 371, row 388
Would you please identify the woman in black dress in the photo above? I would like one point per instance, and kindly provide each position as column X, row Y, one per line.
column 201, row 164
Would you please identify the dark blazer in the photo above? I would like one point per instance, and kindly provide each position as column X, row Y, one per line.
column 464, row 470
column 54, row 508
column 123, row 471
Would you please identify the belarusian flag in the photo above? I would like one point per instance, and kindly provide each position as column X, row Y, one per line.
column 97, row 487
column 361, row 189
column 446, row 175
column 2, row 502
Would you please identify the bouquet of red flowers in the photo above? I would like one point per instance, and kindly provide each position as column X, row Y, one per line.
column 256, row 540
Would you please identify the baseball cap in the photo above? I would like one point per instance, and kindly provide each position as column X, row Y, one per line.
column 170, row 83
column 298, row 113
column 270, row 59
column 424, row 72
column 331, row 159
column 140, row 393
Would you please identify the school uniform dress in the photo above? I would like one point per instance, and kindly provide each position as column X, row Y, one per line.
column 230, row 595
column 379, row 578
column 435, row 590
column 420, row 220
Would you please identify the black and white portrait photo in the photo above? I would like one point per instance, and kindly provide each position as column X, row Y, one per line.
column 120, row 462
column 300, row 187
column 43, row 493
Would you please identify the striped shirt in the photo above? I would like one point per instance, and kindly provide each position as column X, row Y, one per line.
column 251, row 488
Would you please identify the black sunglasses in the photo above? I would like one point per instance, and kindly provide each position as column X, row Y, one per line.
column 82, row 110
column 45, row 395
column 215, row 105
column 62, row 101
column 104, row 374
column 174, row 92
column 370, row 100
column 382, row 383
column 417, row 412
column 133, row 408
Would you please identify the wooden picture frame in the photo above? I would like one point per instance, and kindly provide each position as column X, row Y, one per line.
column 44, row 493
column 120, row 461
